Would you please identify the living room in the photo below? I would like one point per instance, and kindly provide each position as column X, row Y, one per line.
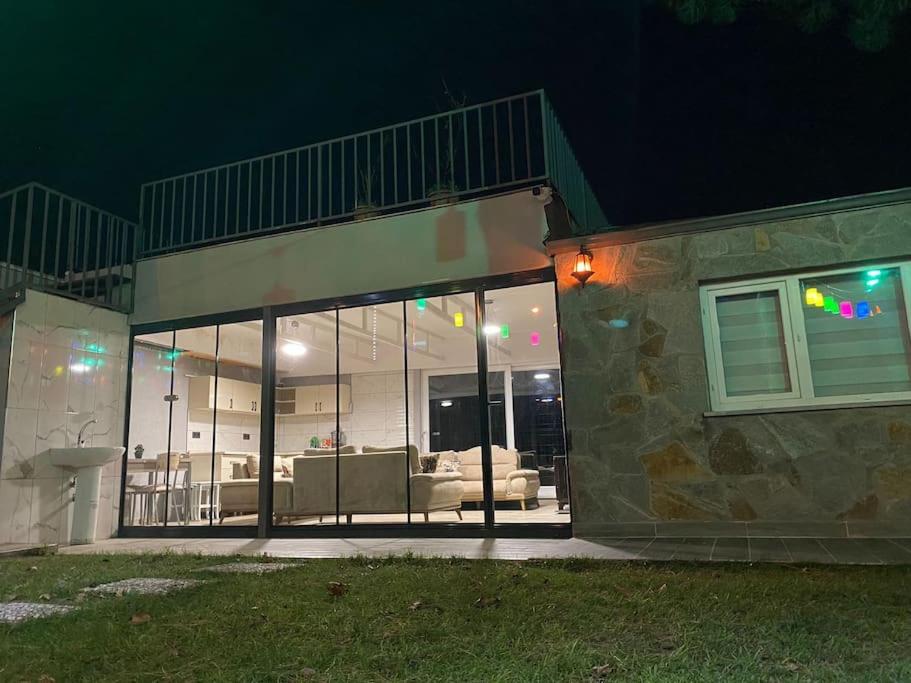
column 343, row 416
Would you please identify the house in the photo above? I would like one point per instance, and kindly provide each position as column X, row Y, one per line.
column 432, row 329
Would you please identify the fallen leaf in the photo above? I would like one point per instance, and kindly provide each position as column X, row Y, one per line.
column 790, row 665
column 487, row 602
column 599, row 673
column 44, row 596
column 663, row 587
column 44, row 678
column 33, row 568
column 307, row 672
column 140, row 618
column 416, row 605
column 667, row 644
column 337, row 588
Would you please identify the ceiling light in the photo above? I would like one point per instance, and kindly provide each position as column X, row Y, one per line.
column 491, row 329
column 294, row 349
column 445, row 404
column 536, row 310
column 79, row 368
column 542, row 375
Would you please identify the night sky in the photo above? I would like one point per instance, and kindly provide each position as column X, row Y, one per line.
column 669, row 121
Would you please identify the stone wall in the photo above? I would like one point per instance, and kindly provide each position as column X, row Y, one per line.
column 646, row 459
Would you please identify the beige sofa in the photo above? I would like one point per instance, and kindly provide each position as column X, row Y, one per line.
column 372, row 482
column 240, row 494
column 510, row 482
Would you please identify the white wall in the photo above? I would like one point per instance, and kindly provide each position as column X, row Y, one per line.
column 377, row 417
column 495, row 235
column 149, row 414
column 52, row 392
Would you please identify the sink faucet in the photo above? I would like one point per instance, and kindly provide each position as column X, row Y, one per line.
column 80, row 442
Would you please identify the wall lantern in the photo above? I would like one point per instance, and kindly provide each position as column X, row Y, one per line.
column 582, row 266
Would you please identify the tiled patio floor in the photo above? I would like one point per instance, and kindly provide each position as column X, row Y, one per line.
column 784, row 550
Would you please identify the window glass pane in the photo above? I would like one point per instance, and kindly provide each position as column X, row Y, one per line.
column 857, row 333
column 753, row 355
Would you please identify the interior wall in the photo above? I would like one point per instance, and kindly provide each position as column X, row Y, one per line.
column 68, row 366
column 191, row 429
column 495, row 235
column 645, row 456
column 377, row 417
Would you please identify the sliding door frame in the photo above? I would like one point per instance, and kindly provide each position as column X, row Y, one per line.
column 268, row 315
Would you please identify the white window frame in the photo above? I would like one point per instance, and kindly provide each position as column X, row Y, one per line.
column 802, row 394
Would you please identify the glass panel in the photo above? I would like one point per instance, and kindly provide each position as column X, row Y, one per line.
column 753, row 355
column 857, row 333
column 235, row 397
column 529, row 455
column 150, row 432
column 443, row 409
column 193, row 424
column 305, row 435
column 376, row 457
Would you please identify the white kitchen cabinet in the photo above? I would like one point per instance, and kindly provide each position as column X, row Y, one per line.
column 306, row 400
column 320, row 399
column 233, row 396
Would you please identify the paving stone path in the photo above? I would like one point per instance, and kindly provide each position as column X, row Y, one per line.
column 15, row 612
column 142, row 586
column 249, row 567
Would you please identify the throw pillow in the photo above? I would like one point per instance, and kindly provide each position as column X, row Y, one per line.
column 286, row 472
column 429, row 463
column 253, row 466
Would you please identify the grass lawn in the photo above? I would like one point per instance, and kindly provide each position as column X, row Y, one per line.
column 460, row 620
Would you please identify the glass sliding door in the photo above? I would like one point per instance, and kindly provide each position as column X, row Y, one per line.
column 379, row 457
column 236, row 385
column 442, row 410
column 307, row 444
column 194, row 427
column 529, row 465
column 147, row 477
column 445, row 412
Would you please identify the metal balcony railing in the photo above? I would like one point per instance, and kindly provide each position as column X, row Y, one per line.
column 459, row 154
column 59, row 244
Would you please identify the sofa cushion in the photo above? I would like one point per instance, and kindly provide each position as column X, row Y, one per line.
column 253, row 466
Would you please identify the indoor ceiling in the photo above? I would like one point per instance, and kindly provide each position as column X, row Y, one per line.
column 521, row 324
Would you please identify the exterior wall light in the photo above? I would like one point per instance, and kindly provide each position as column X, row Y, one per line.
column 582, row 267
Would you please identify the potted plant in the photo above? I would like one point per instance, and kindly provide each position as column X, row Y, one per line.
column 363, row 205
column 444, row 188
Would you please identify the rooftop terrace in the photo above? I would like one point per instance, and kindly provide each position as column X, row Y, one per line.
column 463, row 153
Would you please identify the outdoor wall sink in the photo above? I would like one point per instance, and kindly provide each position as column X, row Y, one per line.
column 87, row 464
column 77, row 458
